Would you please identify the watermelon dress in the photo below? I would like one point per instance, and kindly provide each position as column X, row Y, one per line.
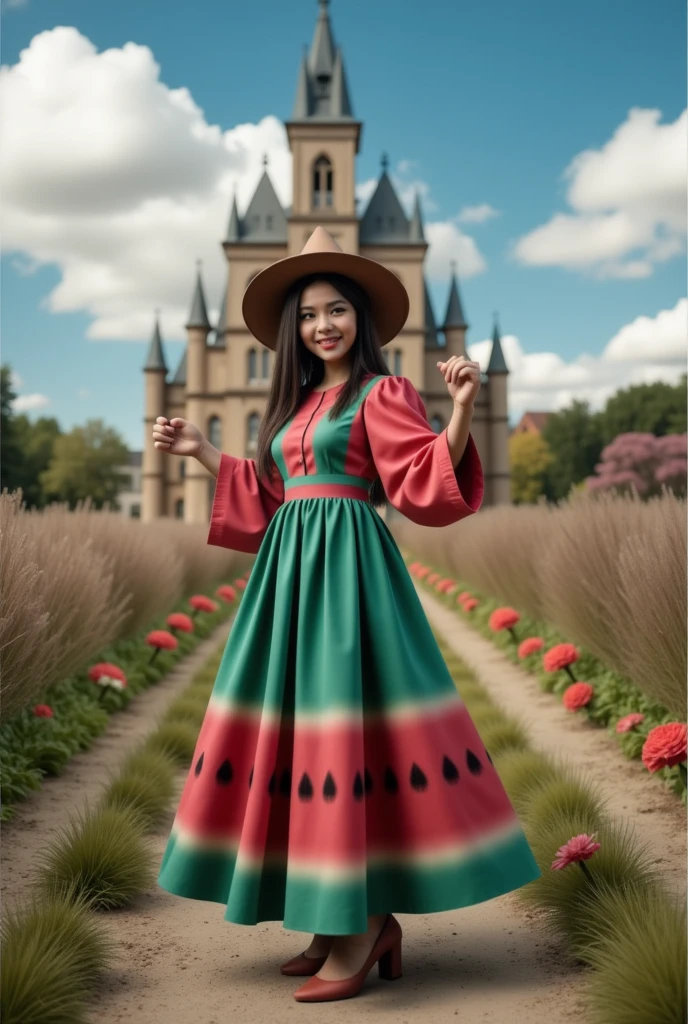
column 337, row 772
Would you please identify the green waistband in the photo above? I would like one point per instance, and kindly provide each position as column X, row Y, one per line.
column 327, row 478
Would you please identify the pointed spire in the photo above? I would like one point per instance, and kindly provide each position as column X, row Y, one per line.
column 265, row 219
column 454, row 316
column 303, row 100
column 180, row 374
column 221, row 328
column 431, row 337
column 416, row 227
column 234, row 226
column 322, row 90
column 322, row 50
column 340, row 102
column 497, row 363
column 384, row 221
column 198, row 317
column 155, row 360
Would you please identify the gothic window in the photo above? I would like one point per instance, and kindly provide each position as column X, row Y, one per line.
column 252, row 365
column 265, row 358
column 322, row 183
column 436, row 423
column 179, row 509
column 215, row 432
column 253, row 425
column 397, row 362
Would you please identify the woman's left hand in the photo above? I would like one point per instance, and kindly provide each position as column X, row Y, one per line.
column 462, row 377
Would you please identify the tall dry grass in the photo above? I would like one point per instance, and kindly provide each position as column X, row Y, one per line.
column 607, row 570
column 74, row 582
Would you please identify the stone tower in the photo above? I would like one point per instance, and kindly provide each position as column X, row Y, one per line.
column 223, row 379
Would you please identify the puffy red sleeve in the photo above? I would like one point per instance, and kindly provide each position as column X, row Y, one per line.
column 243, row 505
column 414, row 463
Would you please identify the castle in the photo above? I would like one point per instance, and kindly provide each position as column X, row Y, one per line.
column 222, row 382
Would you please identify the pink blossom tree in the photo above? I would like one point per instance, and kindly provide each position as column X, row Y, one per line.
column 642, row 462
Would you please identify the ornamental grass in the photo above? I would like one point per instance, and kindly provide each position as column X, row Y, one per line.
column 101, row 854
column 140, row 793
column 176, row 739
column 53, row 950
column 507, row 735
column 187, row 709
column 523, row 774
column 567, row 794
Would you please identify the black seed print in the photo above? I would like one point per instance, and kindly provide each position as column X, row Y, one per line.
column 367, row 781
column 449, row 770
column 329, row 788
column 358, row 786
column 224, row 773
column 474, row 765
column 271, row 784
column 418, row 777
column 199, row 764
column 488, row 757
column 305, row 787
column 285, row 782
column 390, row 781
column 250, row 778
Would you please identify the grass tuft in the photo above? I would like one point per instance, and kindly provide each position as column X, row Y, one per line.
column 175, row 739
column 523, row 773
column 507, row 735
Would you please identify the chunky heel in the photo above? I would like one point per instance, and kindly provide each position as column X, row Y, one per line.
column 389, row 964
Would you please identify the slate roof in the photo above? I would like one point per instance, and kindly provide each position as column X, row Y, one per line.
column 322, row 92
column 454, row 316
column 497, row 363
column 155, row 359
column 265, row 220
column 198, row 317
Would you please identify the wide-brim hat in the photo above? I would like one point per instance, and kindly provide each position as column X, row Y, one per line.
column 264, row 297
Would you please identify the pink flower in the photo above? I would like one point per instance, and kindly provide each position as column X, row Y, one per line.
column 578, row 848
column 503, row 618
column 626, row 723
column 227, row 593
column 577, row 696
column 558, row 657
column 43, row 711
column 178, row 620
column 107, row 674
column 470, row 603
column 665, row 746
column 432, row 578
column 464, row 595
column 201, row 603
column 161, row 638
column 240, row 583
column 531, row 645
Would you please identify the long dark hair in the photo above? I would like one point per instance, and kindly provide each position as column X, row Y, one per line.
column 297, row 370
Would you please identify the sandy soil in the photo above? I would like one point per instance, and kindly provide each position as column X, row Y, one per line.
column 181, row 962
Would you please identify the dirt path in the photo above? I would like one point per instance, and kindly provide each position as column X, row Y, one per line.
column 47, row 810
column 180, row 961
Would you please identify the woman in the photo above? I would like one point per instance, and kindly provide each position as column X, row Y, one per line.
column 338, row 777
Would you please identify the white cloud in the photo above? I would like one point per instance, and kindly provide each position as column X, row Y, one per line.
column 477, row 214
column 648, row 349
column 121, row 182
column 27, row 403
column 7, row 5
column 628, row 201
column 448, row 244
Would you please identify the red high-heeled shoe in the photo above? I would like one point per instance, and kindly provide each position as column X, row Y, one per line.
column 301, row 965
column 387, row 953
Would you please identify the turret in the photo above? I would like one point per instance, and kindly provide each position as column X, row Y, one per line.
column 454, row 326
column 152, row 467
column 198, row 327
column 498, row 484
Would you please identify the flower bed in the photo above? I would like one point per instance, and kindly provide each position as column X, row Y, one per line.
column 583, row 683
column 71, row 714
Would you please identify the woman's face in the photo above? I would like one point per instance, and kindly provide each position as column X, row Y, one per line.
column 327, row 322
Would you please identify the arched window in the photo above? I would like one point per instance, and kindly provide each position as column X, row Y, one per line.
column 322, row 183
column 252, row 366
column 265, row 359
column 397, row 362
column 253, row 425
column 179, row 508
column 436, row 423
column 215, row 432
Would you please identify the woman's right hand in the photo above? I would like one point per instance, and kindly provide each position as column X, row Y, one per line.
column 177, row 436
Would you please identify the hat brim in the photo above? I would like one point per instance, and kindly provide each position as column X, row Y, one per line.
column 264, row 297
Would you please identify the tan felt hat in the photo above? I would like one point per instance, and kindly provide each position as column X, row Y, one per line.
column 264, row 297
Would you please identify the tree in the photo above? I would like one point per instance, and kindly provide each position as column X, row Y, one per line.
column 85, row 464
column 642, row 462
column 529, row 456
column 656, row 408
column 10, row 446
column 37, row 441
column 574, row 440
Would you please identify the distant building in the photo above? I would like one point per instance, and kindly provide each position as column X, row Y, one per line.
column 222, row 381
column 531, row 423
column 129, row 498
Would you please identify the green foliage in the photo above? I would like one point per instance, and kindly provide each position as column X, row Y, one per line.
column 11, row 458
column 186, row 710
column 85, row 464
column 524, row 773
column 101, row 855
column 656, row 408
column 177, row 739
column 574, row 439
column 507, row 735
column 139, row 792
column 568, row 795
column 530, row 458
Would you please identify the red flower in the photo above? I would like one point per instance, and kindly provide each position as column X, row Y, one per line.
column 414, row 566
column 626, row 723
column 558, row 657
column 578, row 848
column 422, row 572
column 432, row 578
column 201, row 603
column 247, row 574
column 577, row 695
column 43, row 711
column 470, row 603
column 162, row 639
column 226, row 592
column 665, row 746
column 503, row 618
column 531, row 645
column 464, row 595
column 178, row 620
column 107, row 674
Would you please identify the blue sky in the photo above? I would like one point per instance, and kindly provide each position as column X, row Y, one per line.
column 480, row 106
